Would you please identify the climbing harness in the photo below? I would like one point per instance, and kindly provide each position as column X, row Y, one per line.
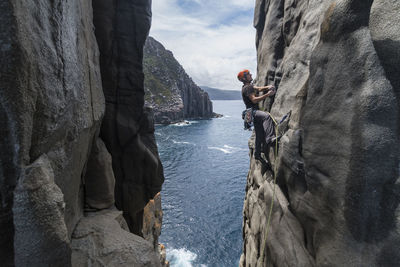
column 273, row 190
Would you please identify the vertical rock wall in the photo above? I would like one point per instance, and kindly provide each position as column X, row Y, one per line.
column 55, row 173
column 121, row 30
column 51, row 108
column 337, row 194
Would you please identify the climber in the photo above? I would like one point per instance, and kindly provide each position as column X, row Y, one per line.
column 263, row 123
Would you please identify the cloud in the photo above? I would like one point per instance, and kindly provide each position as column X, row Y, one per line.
column 213, row 40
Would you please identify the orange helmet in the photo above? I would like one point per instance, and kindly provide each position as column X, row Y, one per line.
column 241, row 75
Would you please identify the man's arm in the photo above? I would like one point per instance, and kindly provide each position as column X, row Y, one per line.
column 255, row 99
column 261, row 88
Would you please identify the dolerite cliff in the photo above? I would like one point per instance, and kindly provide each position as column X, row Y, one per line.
column 73, row 128
column 336, row 66
column 170, row 92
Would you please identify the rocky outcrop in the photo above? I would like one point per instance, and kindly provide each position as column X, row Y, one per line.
column 102, row 239
column 99, row 178
column 337, row 194
column 121, row 30
column 53, row 164
column 169, row 90
column 152, row 222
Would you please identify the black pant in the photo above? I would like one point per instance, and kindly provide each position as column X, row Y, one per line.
column 265, row 130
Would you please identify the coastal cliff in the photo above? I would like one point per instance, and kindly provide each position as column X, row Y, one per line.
column 170, row 92
column 80, row 174
column 335, row 65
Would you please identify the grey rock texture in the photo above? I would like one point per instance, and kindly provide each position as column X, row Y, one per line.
column 51, row 104
column 337, row 194
column 101, row 240
column 127, row 129
column 169, row 90
column 99, row 178
column 41, row 237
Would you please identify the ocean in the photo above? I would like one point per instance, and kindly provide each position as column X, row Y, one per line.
column 205, row 166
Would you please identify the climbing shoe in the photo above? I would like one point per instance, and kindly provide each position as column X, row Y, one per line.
column 264, row 162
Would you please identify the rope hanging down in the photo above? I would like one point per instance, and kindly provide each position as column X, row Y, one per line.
column 273, row 190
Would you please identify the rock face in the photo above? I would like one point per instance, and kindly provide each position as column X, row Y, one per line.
column 51, row 107
column 337, row 195
column 100, row 240
column 53, row 164
column 121, row 30
column 169, row 90
column 99, row 178
column 39, row 218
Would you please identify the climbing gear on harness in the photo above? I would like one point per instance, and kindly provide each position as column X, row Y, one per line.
column 242, row 75
column 248, row 118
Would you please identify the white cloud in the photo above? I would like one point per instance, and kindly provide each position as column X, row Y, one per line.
column 213, row 40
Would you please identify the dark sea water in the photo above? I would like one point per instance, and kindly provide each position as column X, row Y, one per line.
column 205, row 165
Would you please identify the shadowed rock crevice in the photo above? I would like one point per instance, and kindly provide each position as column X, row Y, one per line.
column 273, row 24
column 383, row 22
column 259, row 18
column 7, row 170
column 386, row 50
column 137, row 169
column 10, row 157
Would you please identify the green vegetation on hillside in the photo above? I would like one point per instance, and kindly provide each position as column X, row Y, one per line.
column 161, row 72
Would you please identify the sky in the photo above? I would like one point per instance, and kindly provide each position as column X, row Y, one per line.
column 212, row 39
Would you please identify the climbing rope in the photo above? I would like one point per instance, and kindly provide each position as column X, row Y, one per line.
column 273, row 190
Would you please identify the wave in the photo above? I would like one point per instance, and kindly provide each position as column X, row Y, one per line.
column 226, row 149
column 182, row 123
column 225, row 117
column 183, row 142
column 182, row 258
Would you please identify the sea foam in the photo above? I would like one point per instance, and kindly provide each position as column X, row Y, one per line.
column 182, row 142
column 182, row 258
column 226, row 149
